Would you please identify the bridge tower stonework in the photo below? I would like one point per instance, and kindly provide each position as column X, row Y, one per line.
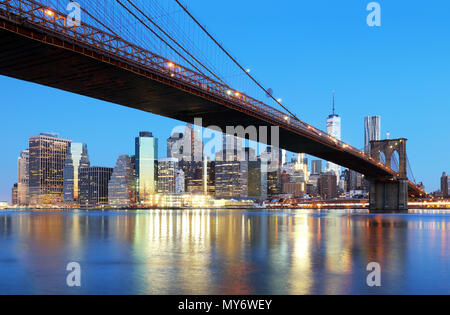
column 389, row 194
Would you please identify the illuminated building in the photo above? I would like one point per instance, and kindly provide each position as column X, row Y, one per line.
column 23, row 177
column 146, row 166
column 272, row 170
column 179, row 182
column 14, row 194
column 167, row 172
column 76, row 158
column 334, row 130
column 328, row 186
column 94, row 185
column 231, row 169
column 445, row 180
column 316, row 167
column 122, row 185
column 372, row 131
column 46, row 169
column 185, row 147
column 296, row 190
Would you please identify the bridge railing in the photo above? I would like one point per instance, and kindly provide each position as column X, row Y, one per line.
column 42, row 17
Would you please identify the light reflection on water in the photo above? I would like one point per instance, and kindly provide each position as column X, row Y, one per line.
column 224, row 252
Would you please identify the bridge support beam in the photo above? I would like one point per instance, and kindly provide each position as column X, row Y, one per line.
column 388, row 195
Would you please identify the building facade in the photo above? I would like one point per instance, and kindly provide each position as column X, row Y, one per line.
column 122, row 185
column 328, row 186
column 146, row 148
column 77, row 157
column 334, row 130
column 23, row 178
column 94, row 185
column 167, row 175
column 46, row 169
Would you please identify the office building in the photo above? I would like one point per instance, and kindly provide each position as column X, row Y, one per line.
column 372, row 131
column 94, row 185
column 14, row 195
column 334, row 130
column 122, row 185
column 76, row 158
column 186, row 146
column 146, row 148
column 445, row 181
column 47, row 155
column 327, row 186
column 167, row 173
column 23, row 178
column 316, row 167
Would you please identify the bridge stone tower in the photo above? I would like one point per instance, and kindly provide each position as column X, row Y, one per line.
column 389, row 194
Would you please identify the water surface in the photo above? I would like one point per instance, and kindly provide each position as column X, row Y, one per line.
column 224, row 252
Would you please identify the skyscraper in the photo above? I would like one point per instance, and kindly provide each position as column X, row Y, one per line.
column 94, row 185
column 316, row 167
column 146, row 166
column 14, row 194
column 23, row 178
column 334, row 130
column 445, row 185
column 76, row 158
column 372, row 131
column 46, row 167
column 122, row 185
column 185, row 147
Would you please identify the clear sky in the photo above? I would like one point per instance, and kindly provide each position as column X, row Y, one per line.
column 303, row 50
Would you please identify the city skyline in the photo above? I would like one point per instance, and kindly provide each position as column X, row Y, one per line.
column 365, row 81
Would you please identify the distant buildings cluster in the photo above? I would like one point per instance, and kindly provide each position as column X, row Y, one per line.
column 55, row 171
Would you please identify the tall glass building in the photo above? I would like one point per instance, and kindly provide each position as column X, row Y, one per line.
column 146, row 166
column 167, row 173
column 77, row 157
column 372, row 131
column 23, row 176
column 334, row 130
column 47, row 160
column 121, row 187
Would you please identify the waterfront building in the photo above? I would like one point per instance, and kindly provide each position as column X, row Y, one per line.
column 334, row 130
column 255, row 180
column 186, row 146
column 167, row 172
column 14, row 195
column 77, row 157
column 146, row 148
column 316, row 167
column 122, row 185
column 23, row 178
column 179, row 182
column 327, row 186
column 296, row 190
column 47, row 155
column 445, row 181
column 94, row 185
column 372, row 131
column 272, row 171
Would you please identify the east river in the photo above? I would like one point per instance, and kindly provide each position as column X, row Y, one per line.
column 224, row 252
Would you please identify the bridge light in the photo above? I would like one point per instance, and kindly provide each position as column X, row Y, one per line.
column 170, row 65
column 237, row 94
column 229, row 92
column 49, row 12
column 279, row 100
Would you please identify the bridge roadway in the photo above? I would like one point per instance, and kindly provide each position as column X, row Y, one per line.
column 37, row 47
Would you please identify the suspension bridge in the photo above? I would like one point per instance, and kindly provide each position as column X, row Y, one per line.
column 155, row 56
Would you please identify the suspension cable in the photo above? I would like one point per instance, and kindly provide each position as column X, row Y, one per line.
column 173, row 40
column 233, row 59
column 151, row 30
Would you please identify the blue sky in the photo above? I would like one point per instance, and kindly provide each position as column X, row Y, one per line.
column 301, row 49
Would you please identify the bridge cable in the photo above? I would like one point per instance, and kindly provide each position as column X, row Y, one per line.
column 179, row 45
column 151, row 30
column 233, row 59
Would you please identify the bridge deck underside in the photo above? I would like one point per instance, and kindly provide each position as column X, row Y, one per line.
column 31, row 60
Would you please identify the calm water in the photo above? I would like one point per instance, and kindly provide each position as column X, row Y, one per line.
column 224, row 252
